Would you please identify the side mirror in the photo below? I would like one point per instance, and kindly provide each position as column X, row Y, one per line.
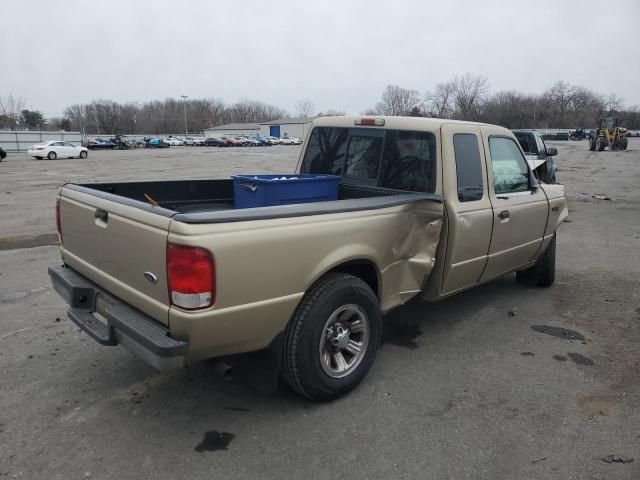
column 552, row 152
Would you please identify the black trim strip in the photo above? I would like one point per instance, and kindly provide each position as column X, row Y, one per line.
column 120, row 199
column 305, row 209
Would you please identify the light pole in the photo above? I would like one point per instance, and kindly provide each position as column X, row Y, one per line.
column 184, row 102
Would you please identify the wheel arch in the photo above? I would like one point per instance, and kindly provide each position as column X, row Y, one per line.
column 363, row 268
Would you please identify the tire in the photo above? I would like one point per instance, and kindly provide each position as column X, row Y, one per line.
column 83, row 154
column 601, row 143
column 573, row 137
column 543, row 273
column 623, row 143
column 309, row 363
column 52, row 156
column 592, row 144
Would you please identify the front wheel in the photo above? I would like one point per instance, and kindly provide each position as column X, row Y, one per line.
column 543, row 273
column 624, row 143
column 331, row 341
column 83, row 154
column 52, row 156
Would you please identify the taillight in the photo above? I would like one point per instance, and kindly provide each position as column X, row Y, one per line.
column 58, row 225
column 190, row 276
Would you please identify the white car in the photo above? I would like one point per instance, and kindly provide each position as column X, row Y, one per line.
column 54, row 149
column 296, row 141
column 174, row 142
column 286, row 141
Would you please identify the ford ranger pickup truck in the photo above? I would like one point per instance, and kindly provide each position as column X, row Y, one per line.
column 173, row 272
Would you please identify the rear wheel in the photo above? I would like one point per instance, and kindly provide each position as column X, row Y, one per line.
column 601, row 143
column 52, row 156
column 83, row 154
column 330, row 343
column 592, row 144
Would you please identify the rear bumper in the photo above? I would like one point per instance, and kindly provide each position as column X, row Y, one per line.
column 110, row 321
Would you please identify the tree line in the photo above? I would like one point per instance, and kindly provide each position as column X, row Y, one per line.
column 463, row 97
column 467, row 97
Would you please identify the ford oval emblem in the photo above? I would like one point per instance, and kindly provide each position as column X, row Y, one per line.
column 150, row 277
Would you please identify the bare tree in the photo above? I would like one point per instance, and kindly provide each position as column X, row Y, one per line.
column 469, row 92
column 10, row 108
column 332, row 113
column 612, row 103
column 397, row 101
column 305, row 108
column 440, row 102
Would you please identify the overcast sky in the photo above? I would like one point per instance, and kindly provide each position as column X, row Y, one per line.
column 339, row 54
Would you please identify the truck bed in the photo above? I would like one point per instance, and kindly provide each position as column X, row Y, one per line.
column 212, row 201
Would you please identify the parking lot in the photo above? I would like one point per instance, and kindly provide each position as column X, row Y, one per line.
column 500, row 382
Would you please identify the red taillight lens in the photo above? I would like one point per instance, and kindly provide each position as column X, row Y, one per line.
column 190, row 276
column 58, row 225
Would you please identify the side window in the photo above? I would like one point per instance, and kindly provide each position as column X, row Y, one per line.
column 409, row 161
column 510, row 171
column 326, row 151
column 363, row 157
column 468, row 167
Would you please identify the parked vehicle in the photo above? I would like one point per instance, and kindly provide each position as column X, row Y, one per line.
column 215, row 142
column 56, row 149
column 633, row 133
column 539, row 157
column 100, row 144
column 235, row 142
column 273, row 140
column 174, row 142
column 263, row 141
column 154, row 142
column 3, row 154
column 286, row 141
column 198, row 141
column 555, row 136
column 296, row 141
column 577, row 134
column 172, row 271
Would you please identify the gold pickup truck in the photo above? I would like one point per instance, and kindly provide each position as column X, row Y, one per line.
column 176, row 274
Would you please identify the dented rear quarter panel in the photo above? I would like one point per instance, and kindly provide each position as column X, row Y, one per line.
column 264, row 268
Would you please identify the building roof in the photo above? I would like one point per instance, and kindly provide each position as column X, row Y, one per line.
column 236, row 126
column 284, row 121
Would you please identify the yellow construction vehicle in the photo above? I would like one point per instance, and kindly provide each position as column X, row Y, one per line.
column 610, row 134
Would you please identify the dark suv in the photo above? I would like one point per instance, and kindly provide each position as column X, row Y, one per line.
column 539, row 157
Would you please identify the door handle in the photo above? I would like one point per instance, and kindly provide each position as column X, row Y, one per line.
column 102, row 215
column 503, row 214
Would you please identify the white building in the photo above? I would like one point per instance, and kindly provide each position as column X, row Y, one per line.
column 233, row 129
column 286, row 127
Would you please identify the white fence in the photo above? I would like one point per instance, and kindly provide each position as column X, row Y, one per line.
column 20, row 141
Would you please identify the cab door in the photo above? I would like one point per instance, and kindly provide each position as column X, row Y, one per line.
column 469, row 210
column 520, row 208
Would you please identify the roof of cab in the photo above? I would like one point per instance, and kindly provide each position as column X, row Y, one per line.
column 403, row 123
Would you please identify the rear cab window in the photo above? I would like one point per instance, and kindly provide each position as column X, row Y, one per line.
column 468, row 167
column 394, row 159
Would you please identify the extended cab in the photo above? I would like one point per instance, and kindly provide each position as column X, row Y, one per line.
column 173, row 272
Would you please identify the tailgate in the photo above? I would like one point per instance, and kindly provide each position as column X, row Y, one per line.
column 119, row 247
